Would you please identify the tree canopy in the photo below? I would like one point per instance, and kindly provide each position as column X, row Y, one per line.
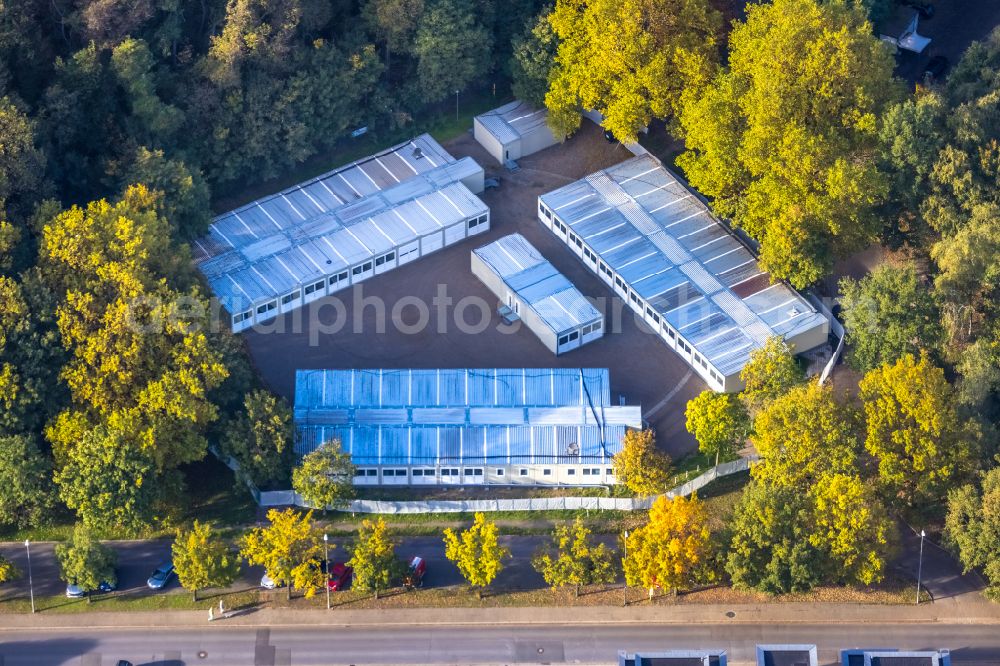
column 626, row 59
column 573, row 559
column 289, row 550
column 783, row 138
column 972, row 527
column 672, row 550
column 476, row 552
column 720, row 423
column 640, row 466
column 202, row 559
column 325, row 477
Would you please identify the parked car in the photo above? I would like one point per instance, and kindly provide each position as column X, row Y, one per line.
column 936, row 66
column 268, row 583
column 161, row 576
column 74, row 591
column 511, row 166
column 340, row 576
column 491, row 183
column 610, row 136
column 415, row 572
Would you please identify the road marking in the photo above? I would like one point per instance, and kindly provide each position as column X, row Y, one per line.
column 663, row 403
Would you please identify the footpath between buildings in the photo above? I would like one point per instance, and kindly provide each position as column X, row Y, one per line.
column 715, row 614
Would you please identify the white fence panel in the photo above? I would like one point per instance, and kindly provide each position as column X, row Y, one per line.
column 269, row 498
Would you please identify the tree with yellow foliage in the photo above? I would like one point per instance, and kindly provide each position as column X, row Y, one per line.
column 783, row 139
column 573, row 559
column 476, row 552
column 374, row 558
column 8, row 571
column 719, row 421
column 770, row 372
column 672, row 550
column 915, row 433
column 623, row 58
column 640, row 466
column 802, row 435
column 289, row 549
column 852, row 527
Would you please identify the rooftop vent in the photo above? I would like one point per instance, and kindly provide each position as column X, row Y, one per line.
column 417, row 153
column 572, row 449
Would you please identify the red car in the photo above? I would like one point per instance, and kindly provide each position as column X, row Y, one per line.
column 340, row 576
column 415, row 572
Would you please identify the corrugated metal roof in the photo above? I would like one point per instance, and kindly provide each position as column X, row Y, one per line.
column 462, row 415
column 544, row 289
column 512, row 121
column 269, row 247
column 665, row 242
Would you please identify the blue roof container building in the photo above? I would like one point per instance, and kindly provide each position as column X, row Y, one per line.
column 674, row 658
column 283, row 251
column 504, row 426
column 532, row 290
column 894, row 657
column 658, row 246
column 787, row 655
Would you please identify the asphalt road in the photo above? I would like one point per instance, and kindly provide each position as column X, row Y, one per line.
column 138, row 559
column 971, row 645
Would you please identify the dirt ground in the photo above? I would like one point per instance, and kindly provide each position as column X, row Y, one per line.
column 643, row 369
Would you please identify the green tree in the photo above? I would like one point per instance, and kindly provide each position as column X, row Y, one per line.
column 325, row 478
column 972, row 527
column 260, row 438
column 25, row 487
column 395, row 23
column 476, row 552
column 8, row 571
column 784, row 139
column 257, row 31
column 625, row 59
column 85, row 562
column 573, row 559
column 289, row 550
column 887, row 314
column 803, row 435
column 770, row 372
column 672, row 551
column 185, row 201
column 133, row 64
column 720, row 423
column 915, row 432
column 21, row 162
column 374, row 558
column 640, row 466
column 202, row 559
column 106, row 476
column 770, row 548
column 533, row 59
column 451, row 47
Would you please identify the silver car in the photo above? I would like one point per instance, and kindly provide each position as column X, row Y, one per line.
column 161, row 576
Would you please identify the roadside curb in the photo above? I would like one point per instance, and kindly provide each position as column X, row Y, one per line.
column 785, row 614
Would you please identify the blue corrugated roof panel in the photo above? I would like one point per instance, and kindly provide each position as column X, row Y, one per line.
column 380, row 419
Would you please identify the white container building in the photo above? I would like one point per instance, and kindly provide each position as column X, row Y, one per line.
column 368, row 217
column 659, row 247
column 532, row 290
column 513, row 131
column 519, row 426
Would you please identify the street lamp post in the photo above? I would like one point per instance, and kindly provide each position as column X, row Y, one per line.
column 326, row 568
column 920, row 564
column 456, row 105
column 624, row 558
column 31, row 585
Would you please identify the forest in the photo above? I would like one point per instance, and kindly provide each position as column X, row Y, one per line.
column 121, row 121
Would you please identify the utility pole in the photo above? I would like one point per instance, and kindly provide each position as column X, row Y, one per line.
column 31, row 585
column 920, row 564
column 624, row 558
column 326, row 567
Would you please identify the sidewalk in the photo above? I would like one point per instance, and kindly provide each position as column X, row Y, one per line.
column 776, row 613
